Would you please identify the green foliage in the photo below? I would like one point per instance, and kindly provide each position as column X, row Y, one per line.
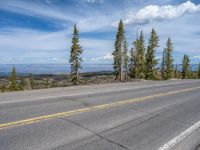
column 132, row 64
column 186, row 67
column 168, row 61
column 120, row 53
column 22, row 83
column 150, row 59
column 13, row 80
column 46, row 83
column 163, row 64
column 139, row 65
column 32, row 81
column 3, row 88
column 176, row 72
column 198, row 72
column 16, row 84
column 75, row 57
column 141, row 58
column 125, row 58
column 135, row 59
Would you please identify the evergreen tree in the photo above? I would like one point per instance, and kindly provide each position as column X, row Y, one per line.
column 150, row 59
column 13, row 80
column 22, row 83
column 31, row 84
column 132, row 64
column 169, row 60
column 125, row 59
column 186, row 67
column 199, row 71
column 141, row 58
column 3, row 88
column 75, row 57
column 163, row 65
column 176, row 73
column 120, row 52
column 136, row 44
column 46, row 83
column 139, row 47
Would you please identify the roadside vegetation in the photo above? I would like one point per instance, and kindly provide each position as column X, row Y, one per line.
column 135, row 62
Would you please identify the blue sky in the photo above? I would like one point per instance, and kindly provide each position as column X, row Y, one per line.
column 40, row 31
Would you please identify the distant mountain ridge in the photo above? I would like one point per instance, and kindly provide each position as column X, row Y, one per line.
column 5, row 69
column 25, row 69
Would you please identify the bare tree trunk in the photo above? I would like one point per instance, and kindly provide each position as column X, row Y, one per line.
column 121, row 73
column 77, row 77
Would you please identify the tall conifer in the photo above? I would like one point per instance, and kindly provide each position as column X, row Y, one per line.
column 75, row 57
column 163, row 65
column 13, row 80
column 176, row 72
column 199, row 71
column 139, row 47
column 186, row 67
column 120, row 53
column 132, row 63
column 136, row 44
column 125, row 59
column 169, row 60
column 150, row 59
column 141, row 57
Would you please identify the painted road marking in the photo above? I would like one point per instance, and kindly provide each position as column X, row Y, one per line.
column 88, row 109
column 169, row 145
column 86, row 93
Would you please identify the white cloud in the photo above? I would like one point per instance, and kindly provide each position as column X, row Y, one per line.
column 108, row 56
column 156, row 13
column 95, row 23
column 62, row 16
column 54, row 46
column 26, row 39
column 196, row 57
column 95, row 1
column 37, row 9
column 34, row 40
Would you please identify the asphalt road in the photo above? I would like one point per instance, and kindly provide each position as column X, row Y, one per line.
column 121, row 116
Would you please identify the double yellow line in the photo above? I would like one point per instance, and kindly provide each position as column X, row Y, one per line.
column 88, row 109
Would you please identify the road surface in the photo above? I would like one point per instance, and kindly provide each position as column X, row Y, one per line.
column 159, row 115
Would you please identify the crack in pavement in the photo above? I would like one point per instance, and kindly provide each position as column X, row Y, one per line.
column 95, row 133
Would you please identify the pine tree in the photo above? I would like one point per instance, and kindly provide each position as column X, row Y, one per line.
column 163, row 65
column 136, row 44
column 148, row 64
column 176, row 73
column 13, row 80
column 169, row 60
column 120, row 52
column 199, row 71
column 141, row 58
column 32, row 81
column 132, row 64
column 46, row 83
column 125, row 59
column 3, row 88
column 75, row 57
column 139, row 47
column 22, row 83
column 186, row 67
column 150, row 59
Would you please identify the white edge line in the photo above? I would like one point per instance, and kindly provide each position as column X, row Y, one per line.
column 180, row 137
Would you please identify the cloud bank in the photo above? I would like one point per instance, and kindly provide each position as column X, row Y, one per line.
column 95, row 1
column 157, row 13
column 108, row 56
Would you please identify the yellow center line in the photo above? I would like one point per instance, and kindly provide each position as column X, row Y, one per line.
column 88, row 109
